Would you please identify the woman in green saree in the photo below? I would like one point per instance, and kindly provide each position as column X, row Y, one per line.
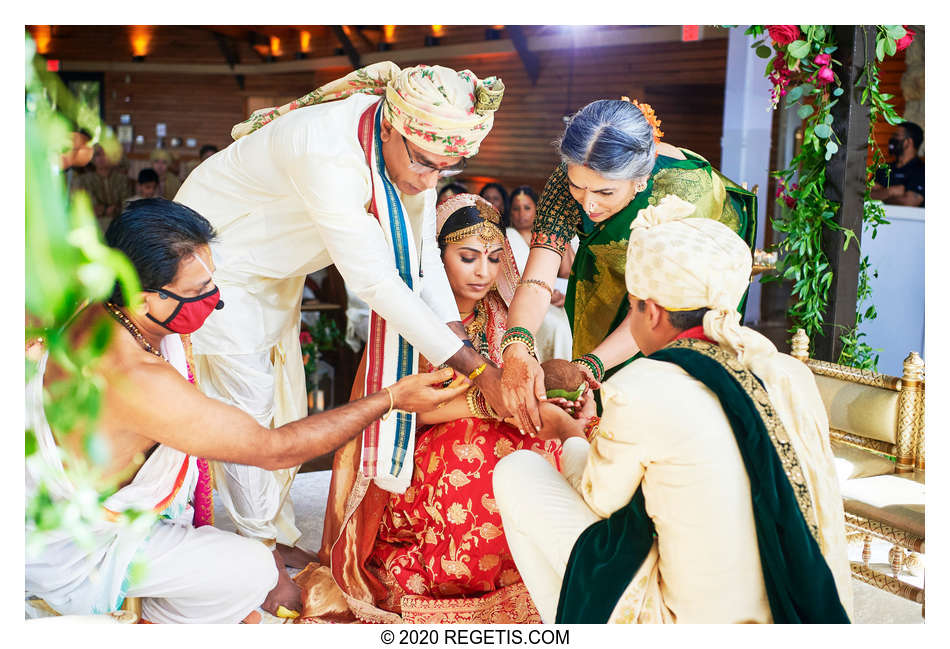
column 613, row 165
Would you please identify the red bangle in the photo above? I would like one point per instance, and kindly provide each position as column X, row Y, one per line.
column 591, row 425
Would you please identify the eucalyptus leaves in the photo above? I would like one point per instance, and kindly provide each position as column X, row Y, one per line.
column 801, row 68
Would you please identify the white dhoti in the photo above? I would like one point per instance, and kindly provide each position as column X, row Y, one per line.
column 269, row 386
column 203, row 575
column 184, row 574
column 542, row 522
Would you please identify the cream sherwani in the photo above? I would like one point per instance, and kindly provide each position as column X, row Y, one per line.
column 287, row 200
column 666, row 431
column 201, row 575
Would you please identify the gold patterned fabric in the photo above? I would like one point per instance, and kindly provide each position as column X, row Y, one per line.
column 436, row 553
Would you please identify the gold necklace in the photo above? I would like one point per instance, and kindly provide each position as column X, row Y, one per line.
column 477, row 325
column 123, row 320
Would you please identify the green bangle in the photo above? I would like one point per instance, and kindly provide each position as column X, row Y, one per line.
column 592, row 362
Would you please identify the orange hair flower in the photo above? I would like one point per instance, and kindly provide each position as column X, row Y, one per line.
column 650, row 115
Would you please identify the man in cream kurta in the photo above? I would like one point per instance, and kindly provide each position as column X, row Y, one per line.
column 665, row 431
column 290, row 198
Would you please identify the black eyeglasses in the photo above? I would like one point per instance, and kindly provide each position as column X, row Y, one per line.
column 423, row 168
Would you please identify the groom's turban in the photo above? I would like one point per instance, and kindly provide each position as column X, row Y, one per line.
column 686, row 263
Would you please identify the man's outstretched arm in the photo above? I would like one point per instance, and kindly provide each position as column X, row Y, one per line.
column 202, row 426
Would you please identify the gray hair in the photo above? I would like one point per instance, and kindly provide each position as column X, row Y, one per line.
column 611, row 137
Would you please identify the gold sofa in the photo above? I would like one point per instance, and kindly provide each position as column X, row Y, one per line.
column 877, row 435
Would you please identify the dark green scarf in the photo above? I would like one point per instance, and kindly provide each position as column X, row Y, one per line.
column 798, row 581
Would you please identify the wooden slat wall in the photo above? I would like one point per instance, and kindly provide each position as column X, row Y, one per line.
column 198, row 106
column 683, row 81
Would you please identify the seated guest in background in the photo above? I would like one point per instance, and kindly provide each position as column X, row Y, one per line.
column 553, row 339
column 450, row 190
column 156, row 425
column 168, row 182
column 204, row 153
column 495, row 194
column 902, row 183
column 75, row 161
column 707, row 492
column 107, row 187
column 437, row 553
column 146, row 187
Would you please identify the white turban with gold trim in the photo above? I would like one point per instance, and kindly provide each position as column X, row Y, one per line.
column 692, row 263
column 438, row 109
column 685, row 263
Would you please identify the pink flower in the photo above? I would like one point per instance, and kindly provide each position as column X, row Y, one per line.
column 825, row 75
column 823, row 59
column 305, row 338
column 783, row 34
column 907, row 39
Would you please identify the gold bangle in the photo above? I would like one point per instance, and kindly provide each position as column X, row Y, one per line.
column 477, row 371
column 538, row 282
column 391, row 404
column 470, row 399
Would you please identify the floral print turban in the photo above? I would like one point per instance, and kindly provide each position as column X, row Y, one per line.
column 440, row 110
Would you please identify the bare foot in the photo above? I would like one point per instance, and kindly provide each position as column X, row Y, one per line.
column 295, row 557
column 286, row 593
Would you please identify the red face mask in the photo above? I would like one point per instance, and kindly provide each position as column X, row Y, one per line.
column 191, row 312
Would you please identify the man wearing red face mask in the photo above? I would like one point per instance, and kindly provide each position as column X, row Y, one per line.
column 159, row 431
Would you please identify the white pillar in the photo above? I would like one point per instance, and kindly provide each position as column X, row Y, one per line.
column 746, row 135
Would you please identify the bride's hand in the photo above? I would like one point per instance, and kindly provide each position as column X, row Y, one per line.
column 522, row 381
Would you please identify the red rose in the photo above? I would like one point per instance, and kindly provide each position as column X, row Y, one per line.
column 783, row 34
column 907, row 39
column 823, row 59
column 305, row 338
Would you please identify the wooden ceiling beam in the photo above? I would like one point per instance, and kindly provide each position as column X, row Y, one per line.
column 541, row 43
column 364, row 38
column 231, row 56
column 348, row 47
column 529, row 59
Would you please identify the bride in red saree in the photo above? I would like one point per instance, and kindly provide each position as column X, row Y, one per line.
column 436, row 553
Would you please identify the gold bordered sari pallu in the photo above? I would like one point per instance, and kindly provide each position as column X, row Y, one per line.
column 798, row 581
column 596, row 295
